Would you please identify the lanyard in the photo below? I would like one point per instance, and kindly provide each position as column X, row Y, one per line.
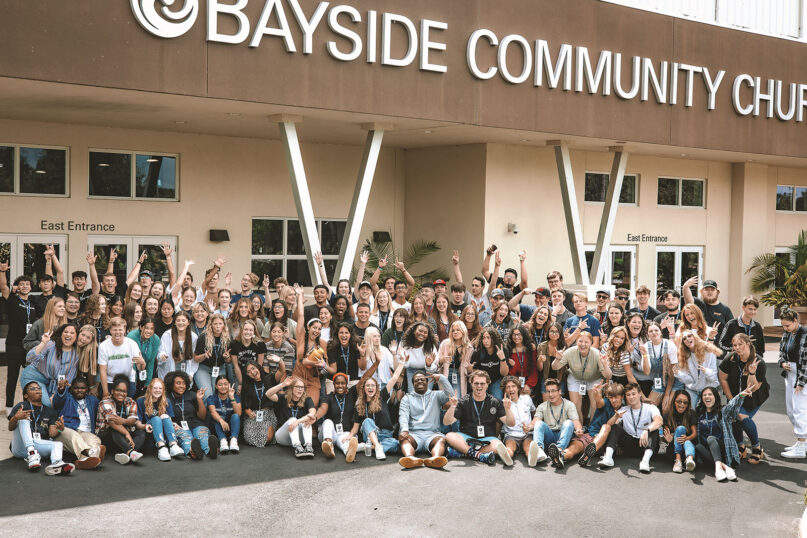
column 539, row 337
column 585, row 364
column 27, row 304
column 294, row 411
column 181, row 407
column 710, row 421
column 557, row 419
column 520, row 359
column 345, row 352
column 636, row 421
column 341, row 406
column 222, row 404
column 479, row 410
column 382, row 318
column 644, row 314
column 259, row 394
column 397, row 335
column 746, row 327
column 36, row 417
column 216, row 353
column 790, row 338
column 653, row 355
column 740, row 372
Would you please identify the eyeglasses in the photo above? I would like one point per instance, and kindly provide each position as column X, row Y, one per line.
column 682, row 402
column 120, row 391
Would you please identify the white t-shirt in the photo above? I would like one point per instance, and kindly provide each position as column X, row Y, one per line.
column 169, row 365
column 522, row 410
column 668, row 348
column 384, row 372
column 635, row 421
column 417, row 358
column 117, row 359
column 84, row 424
column 395, row 306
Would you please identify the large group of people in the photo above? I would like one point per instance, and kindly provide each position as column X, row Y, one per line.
column 388, row 366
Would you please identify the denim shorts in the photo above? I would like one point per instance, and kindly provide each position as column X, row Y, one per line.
column 488, row 439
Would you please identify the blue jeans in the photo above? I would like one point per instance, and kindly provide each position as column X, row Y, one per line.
column 748, row 426
column 688, row 448
column 495, row 390
column 184, row 437
column 385, row 438
column 163, row 430
column 235, row 427
column 695, row 397
column 562, row 437
column 22, row 439
column 203, row 380
column 30, row 373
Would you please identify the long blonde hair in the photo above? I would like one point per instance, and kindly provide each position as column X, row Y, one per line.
column 701, row 347
column 289, row 393
column 451, row 347
column 210, row 339
column 162, row 403
column 49, row 319
column 372, row 353
column 362, row 407
column 88, row 355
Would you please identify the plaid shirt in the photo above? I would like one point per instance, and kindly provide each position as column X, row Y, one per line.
column 799, row 339
column 107, row 408
column 729, row 415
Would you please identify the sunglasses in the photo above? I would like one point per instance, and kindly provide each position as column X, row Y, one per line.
column 602, row 296
column 623, row 297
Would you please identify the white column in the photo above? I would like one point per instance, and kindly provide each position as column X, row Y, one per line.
column 602, row 251
column 570, row 211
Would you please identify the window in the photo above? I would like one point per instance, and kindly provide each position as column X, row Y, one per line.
column 597, row 187
column 123, row 174
column 621, row 271
column 33, row 170
column 676, row 265
column 790, row 198
column 681, row 192
column 278, row 248
column 129, row 248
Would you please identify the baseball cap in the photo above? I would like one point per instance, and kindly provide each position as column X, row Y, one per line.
column 365, row 283
column 606, row 292
column 497, row 293
column 710, row 284
column 439, row 282
column 147, row 273
column 544, row 292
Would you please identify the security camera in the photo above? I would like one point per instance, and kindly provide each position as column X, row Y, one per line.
column 513, row 228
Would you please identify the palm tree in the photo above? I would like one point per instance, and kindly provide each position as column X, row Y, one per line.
column 783, row 282
column 416, row 253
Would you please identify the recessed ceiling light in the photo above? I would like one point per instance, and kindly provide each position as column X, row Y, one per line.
column 684, row 155
column 180, row 122
column 427, row 132
column 103, row 164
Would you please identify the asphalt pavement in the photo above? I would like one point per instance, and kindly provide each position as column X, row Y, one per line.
column 263, row 491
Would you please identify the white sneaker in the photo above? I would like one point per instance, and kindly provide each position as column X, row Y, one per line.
column 644, row 467
column 606, row 461
column 501, row 450
column 163, row 455
column 542, row 457
column 234, row 445
column 94, row 452
column 730, row 474
column 720, row 474
column 176, row 451
column 34, row 461
column 135, row 456
column 59, row 467
column 532, row 454
column 224, row 447
column 122, row 458
column 795, row 452
column 791, row 447
column 379, row 453
column 690, row 465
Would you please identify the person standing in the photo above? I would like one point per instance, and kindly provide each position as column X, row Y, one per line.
column 793, row 361
column 715, row 313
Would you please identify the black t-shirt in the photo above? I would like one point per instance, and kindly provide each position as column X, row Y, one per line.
column 160, row 326
column 737, row 379
column 457, row 308
column 382, row 418
column 310, row 312
column 216, row 353
column 186, row 408
column 501, row 285
column 240, row 353
column 712, row 313
column 42, row 417
column 253, row 395
column 21, row 314
column 649, row 315
column 340, row 409
column 567, row 301
column 676, row 322
column 339, row 355
column 120, row 291
column 480, row 360
column 283, row 412
column 471, row 413
column 83, row 296
column 359, row 332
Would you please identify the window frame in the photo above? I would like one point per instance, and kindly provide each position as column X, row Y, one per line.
column 680, row 180
column 16, row 191
column 677, row 282
column 609, row 270
column 634, row 203
column 133, row 175
column 792, row 209
column 284, row 258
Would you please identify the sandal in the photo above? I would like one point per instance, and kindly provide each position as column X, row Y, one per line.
column 756, row 455
column 743, row 450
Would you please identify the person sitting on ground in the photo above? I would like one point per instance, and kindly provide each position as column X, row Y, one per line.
column 260, row 421
column 680, row 430
column 716, row 443
column 516, row 437
column 53, row 359
column 478, row 413
column 586, row 368
column 372, row 413
column 189, row 417
column 296, row 414
column 224, row 412
column 419, row 419
column 118, row 424
column 155, row 410
column 78, row 410
column 635, row 431
column 555, row 421
column 593, row 440
column 33, row 426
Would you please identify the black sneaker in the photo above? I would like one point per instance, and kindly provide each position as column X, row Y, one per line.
column 196, row 452
column 554, row 454
column 309, row 451
column 589, row 452
column 299, row 452
column 213, row 447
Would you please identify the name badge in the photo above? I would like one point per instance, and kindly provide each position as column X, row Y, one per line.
column 37, row 436
column 339, row 429
column 214, row 372
column 28, row 327
column 522, row 380
column 182, row 366
column 142, row 375
column 184, row 425
column 582, row 390
column 60, row 377
column 259, row 416
column 657, row 383
column 132, row 375
column 480, row 431
column 454, row 378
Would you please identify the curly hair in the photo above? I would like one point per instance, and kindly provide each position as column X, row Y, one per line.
column 363, row 407
column 700, row 348
column 409, row 340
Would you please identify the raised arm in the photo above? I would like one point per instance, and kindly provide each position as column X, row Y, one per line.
column 486, row 261
column 169, row 262
column 176, row 291
column 110, row 265
column 95, row 285
column 5, row 291
column 394, row 380
column 410, row 282
column 377, row 273
column 323, row 274
column 57, row 267
column 494, row 277
column 455, row 262
column 132, row 277
column 217, row 263
column 686, row 292
column 522, row 258
column 517, row 298
column 360, row 273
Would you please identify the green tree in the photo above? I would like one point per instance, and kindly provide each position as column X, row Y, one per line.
column 782, row 279
column 416, row 253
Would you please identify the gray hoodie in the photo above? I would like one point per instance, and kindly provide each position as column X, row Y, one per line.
column 421, row 412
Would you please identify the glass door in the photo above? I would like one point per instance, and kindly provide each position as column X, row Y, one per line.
column 675, row 265
column 128, row 249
